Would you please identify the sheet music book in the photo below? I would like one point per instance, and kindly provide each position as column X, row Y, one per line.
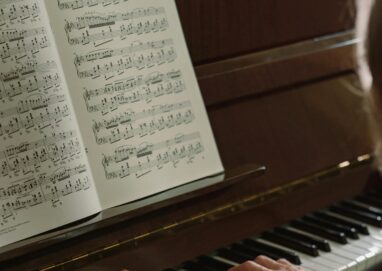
column 99, row 106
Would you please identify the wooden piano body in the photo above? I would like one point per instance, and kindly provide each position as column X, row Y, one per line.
column 279, row 84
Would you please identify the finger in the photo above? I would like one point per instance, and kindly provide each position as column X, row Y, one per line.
column 284, row 262
column 249, row 266
column 267, row 262
column 289, row 265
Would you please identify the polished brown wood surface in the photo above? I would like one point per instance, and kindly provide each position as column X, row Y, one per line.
column 278, row 80
column 267, row 71
column 220, row 29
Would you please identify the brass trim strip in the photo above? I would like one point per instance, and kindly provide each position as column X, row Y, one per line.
column 222, row 211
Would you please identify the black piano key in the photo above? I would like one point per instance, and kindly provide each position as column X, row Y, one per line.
column 213, row 263
column 377, row 194
column 360, row 227
column 291, row 243
column 349, row 232
column 321, row 244
column 368, row 218
column 290, row 256
column 368, row 199
column 194, row 266
column 233, row 256
column 338, row 237
column 252, row 252
column 357, row 206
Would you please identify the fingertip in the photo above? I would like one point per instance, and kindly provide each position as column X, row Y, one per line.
column 261, row 258
column 284, row 261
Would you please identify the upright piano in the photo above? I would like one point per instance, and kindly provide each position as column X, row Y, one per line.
column 278, row 79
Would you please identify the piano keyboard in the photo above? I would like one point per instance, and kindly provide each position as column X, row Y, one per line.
column 345, row 236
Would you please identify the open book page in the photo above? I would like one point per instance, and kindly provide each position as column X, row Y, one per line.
column 45, row 181
column 135, row 95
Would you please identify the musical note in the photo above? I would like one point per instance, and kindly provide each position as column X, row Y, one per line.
column 38, row 120
column 131, row 83
column 126, row 125
column 76, row 4
column 11, row 151
column 96, row 21
column 143, row 168
column 140, row 160
column 139, row 61
column 133, row 48
column 123, row 30
column 133, row 89
column 22, row 47
column 130, row 116
column 11, row 35
column 7, row 2
column 29, row 156
column 36, row 82
column 13, row 12
column 126, row 152
column 108, row 104
column 26, row 69
column 30, row 184
column 33, row 102
column 35, row 190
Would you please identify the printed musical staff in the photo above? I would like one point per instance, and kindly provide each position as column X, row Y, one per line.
column 43, row 188
column 122, row 32
column 36, row 82
column 128, row 84
column 29, row 156
column 39, row 120
column 129, row 124
column 76, row 4
column 30, row 184
column 24, row 70
column 7, row 2
column 126, row 152
column 126, row 92
column 96, row 21
column 11, row 35
column 138, row 61
column 18, row 13
column 37, row 111
column 23, row 147
column 141, row 160
column 16, row 45
column 22, row 47
column 33, row 102
column 133, row 48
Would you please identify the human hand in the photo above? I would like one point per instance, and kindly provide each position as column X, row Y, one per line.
column 263, row 263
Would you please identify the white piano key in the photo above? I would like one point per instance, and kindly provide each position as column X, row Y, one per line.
column 376, row 245
column 341, row 255
column 347, row 251
column 350, row 265
column 358, row 255
column 374, row 240
column 306, row 259
column 224, row 260
column 313, row 266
